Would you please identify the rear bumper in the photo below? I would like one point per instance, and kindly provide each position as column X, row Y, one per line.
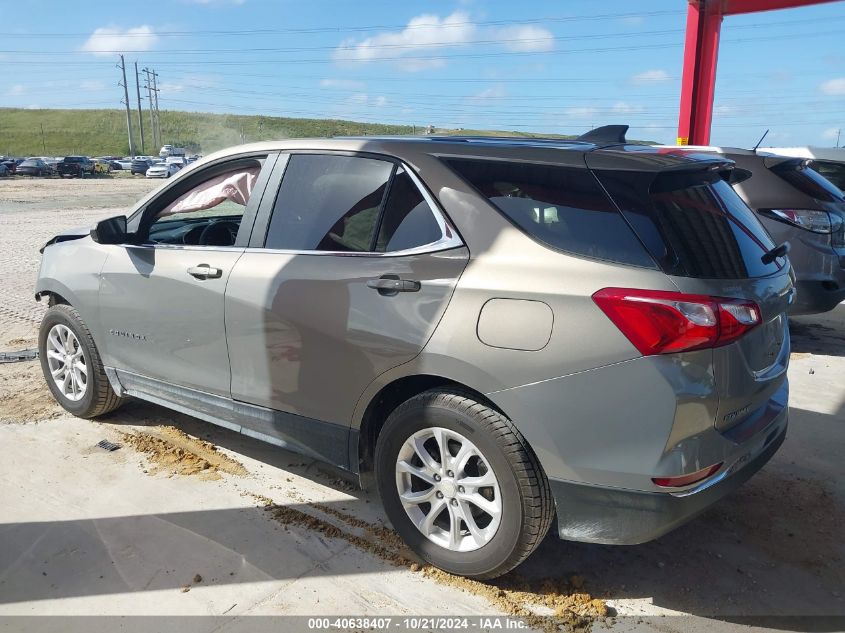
column 815, row 296
column 614, row 516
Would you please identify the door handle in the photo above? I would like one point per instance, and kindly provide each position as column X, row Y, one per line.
column 390, row 285
column 204, row 271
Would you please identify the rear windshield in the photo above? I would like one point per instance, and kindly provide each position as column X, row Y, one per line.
column 73, row 159
column 693, row 224
column 564, row 208
column 807, row 180
column 834, row 172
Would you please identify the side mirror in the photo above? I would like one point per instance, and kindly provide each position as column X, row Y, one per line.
column 110, row 231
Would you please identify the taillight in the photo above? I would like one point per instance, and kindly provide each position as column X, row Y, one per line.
column 660, row 322
column 811, row 220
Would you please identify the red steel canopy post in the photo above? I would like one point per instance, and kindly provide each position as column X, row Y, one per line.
column 701, row 52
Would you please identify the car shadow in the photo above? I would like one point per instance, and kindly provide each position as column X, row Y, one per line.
column 819, row 333
column 769, row 555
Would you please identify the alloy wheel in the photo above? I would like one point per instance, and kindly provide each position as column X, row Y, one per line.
column 67, row 363
column 448, row 489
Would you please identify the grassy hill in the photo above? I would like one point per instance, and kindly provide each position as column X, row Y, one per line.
column 103, row 132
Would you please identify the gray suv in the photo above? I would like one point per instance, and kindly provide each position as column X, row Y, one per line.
column 505, row 334
column 799, row 205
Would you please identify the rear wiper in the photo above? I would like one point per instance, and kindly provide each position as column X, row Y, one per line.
column 778, row 251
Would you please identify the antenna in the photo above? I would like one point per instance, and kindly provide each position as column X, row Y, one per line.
column 754, row 149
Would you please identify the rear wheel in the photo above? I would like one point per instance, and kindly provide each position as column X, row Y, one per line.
column 72, row 366
column 460, row 484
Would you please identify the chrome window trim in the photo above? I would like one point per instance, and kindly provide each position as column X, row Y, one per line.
column 449, row 237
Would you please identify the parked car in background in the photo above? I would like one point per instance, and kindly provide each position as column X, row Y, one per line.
column 140, row 166
column 125, row 163
column 798, row 205
column 828, row 161
column 504, row 331
column 162, row 170
column 4, row 171
column 52, row 162
column 11, row 165
column 34, row 167
column 169, row 150
column 112, row 161
column 179, row 161
column 192, row 159
column 102, row 166
column 75, row 167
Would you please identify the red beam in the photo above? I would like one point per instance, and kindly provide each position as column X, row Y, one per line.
column 701, row 52
column 736, row 7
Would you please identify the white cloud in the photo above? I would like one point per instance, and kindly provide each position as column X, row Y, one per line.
column 426, row 36
column 833, row 86
column 342, row 84
column 17, row 90
column 493, row 92
column 651, row 77
column 525, row 38
column 426, row 32
column 581, row 113
column 622, row 107
column 364, row 99
column 831, row 134
column 111, row 40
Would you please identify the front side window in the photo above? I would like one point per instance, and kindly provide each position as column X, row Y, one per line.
column 349, row 204
column 209, row 213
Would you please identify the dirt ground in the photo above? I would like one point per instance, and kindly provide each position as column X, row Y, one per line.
column 187, row 518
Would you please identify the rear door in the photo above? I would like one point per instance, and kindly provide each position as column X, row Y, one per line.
column 350, row 267
column 709, row 242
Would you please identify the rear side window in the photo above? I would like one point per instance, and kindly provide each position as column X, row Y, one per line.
column 349, row 204
column 693, row 224
column 808, row 181
column 328, row 203
column 408, row 221
column 562, row 207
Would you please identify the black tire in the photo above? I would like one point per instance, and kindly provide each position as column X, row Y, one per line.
column 527, row 505
column 99, row 397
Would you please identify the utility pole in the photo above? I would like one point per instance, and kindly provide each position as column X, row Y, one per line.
column 126, row 103
column 44, row 143
column 158, row 114
column 140, row 118
column 151, row 102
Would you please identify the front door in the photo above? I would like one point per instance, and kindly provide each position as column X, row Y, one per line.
column 348, row 273
column 162, row 299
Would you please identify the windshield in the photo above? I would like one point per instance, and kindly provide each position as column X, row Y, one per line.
column 73, row 159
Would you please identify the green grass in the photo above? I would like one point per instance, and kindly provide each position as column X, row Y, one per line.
column 103, row 132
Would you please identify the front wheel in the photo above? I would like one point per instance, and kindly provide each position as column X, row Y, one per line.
column 460, row 484
column 71, row 364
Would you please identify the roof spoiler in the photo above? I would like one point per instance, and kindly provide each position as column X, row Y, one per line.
column 606, row 134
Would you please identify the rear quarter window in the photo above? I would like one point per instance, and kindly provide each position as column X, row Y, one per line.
column 564, row 208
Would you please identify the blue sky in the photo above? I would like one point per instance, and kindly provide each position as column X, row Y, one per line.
column 546, row 66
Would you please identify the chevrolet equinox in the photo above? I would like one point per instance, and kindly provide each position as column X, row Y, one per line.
column 503, row 333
